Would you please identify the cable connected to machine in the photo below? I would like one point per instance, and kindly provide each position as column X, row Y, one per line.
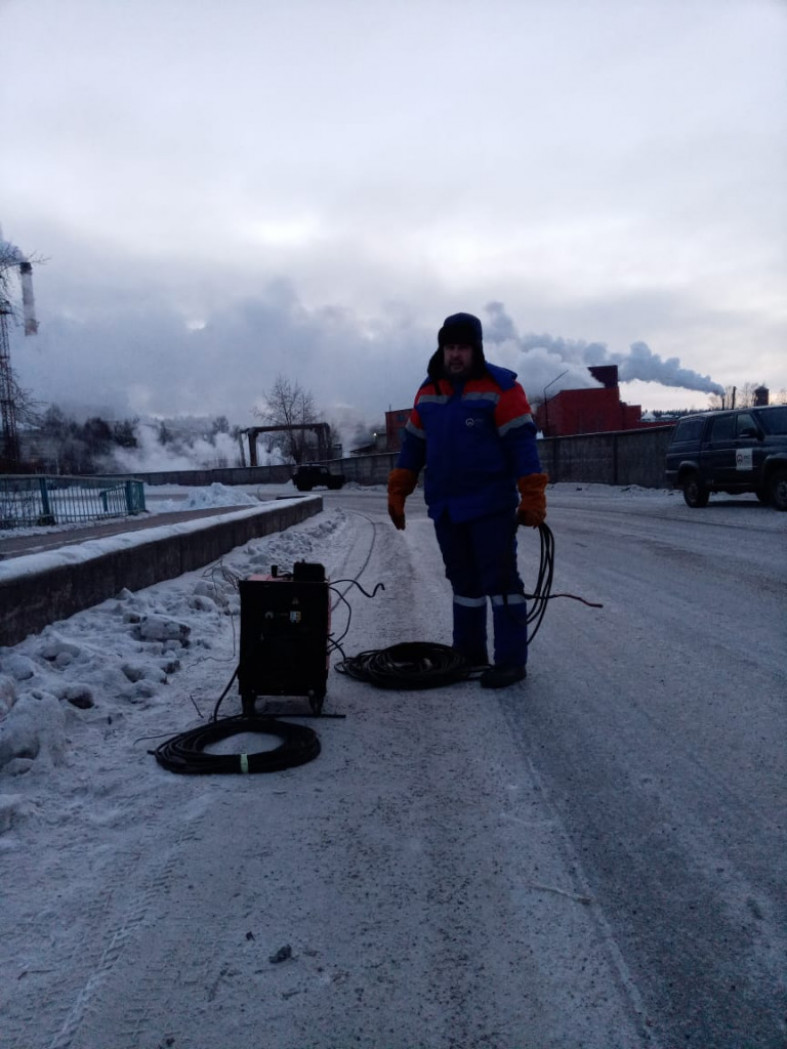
column 424, row 664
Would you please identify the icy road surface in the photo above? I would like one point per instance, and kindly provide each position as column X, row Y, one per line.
column 593, row 859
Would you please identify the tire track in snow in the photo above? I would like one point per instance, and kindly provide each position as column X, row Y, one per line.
column 119, row 938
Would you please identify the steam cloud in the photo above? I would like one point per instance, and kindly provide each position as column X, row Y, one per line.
column 576, row 356
column 185, row 452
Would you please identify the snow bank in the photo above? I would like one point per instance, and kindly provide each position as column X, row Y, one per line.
column 204, row 498
column 125, row 652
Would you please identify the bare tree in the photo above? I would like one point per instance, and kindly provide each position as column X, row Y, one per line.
column 29, row 411
column 287, row 404
column 736, row 396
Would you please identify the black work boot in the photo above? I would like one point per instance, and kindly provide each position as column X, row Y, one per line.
column 502, row 676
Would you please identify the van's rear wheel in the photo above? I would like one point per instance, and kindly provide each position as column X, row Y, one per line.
column 777, row 486
column 694, row 491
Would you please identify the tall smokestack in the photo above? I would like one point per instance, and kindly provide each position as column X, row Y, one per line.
column 606, row 374
column 28, row 303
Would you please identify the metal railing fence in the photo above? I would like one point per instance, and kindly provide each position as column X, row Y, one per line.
column 27, row 502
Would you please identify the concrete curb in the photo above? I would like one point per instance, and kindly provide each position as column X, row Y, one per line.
column 41, row 588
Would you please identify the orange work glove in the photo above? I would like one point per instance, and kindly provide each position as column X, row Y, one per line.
column 401, row 483
column 532, row 509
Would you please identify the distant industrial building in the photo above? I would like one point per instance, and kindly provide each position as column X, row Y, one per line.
column 596, row 410
column 395, row 423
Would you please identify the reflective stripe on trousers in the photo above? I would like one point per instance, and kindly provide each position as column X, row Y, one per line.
column 509, row 616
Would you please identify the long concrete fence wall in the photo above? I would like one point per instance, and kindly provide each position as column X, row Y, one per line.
column 41, row 588
column 625, row 457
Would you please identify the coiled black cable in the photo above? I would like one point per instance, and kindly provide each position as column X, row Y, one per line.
column 426, row 664
column 185, row 753
column 543, row 588
column 408, row 665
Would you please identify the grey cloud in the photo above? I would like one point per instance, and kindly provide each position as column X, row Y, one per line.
column 149, row 346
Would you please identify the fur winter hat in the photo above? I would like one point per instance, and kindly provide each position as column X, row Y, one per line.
column 460, row 329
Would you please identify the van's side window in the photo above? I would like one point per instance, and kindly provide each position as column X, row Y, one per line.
column 689, row 430
column 745, row 424
column 723, row 428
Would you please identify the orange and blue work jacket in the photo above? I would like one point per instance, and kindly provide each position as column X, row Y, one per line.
column 475, row 439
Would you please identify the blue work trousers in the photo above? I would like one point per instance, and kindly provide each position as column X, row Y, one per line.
column 480, row 564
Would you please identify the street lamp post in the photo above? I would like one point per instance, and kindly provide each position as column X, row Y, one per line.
column 544, row 394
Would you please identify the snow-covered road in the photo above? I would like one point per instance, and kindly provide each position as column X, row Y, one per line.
column 595, row 858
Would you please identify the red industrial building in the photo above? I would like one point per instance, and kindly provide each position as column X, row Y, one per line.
column 395, row 422
column 596, row 410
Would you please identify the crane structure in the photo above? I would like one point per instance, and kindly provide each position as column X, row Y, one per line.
column 322, row 430
column 12, row 259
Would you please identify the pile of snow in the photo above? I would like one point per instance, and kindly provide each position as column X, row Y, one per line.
column 127, row 653
column 204, row 498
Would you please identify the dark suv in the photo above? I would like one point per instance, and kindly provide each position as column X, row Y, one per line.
column 731, row 451
column 311, row 475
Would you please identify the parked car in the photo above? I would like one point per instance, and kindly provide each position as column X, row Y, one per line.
column 312, row 475
column 744, row 450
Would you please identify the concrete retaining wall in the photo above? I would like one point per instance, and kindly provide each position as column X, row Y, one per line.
column 364, row 469
column 42, row 588
column 229, row 475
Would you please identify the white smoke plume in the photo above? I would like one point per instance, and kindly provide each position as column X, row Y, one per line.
column 642, row 363
column 184, row 452
column 544, row 353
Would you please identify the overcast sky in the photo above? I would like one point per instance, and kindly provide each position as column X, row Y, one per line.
column 228, row 190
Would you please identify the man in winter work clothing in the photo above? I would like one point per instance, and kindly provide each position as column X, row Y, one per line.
column 472, row 429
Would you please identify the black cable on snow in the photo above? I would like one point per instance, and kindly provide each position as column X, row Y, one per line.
column 543, row 589
column 408, row 665
column 185, row 753
column 426, row 664
column 220, row 700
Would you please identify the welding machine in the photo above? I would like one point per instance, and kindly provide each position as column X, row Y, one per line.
column 284, row 628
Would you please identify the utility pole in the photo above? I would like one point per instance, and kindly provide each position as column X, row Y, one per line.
column 9, row 452
column 544, row 395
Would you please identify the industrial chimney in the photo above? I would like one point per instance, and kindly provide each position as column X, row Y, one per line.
column 606, row 374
